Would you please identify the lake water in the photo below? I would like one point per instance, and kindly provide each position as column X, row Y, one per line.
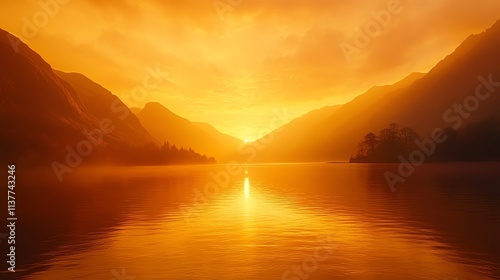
column 288, row 221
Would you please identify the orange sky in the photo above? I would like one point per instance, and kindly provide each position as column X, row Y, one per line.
column 232, row 66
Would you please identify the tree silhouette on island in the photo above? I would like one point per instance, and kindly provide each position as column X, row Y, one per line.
column 390, row 143
column 477, row 142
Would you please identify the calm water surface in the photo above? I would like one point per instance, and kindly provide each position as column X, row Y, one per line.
column 290, row 221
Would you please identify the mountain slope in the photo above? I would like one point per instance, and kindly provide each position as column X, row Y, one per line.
column 419, row 103
column 135, row 110
column 42, row 115
column 38, row 110
column 217, row 135
column 101, row 103
column 292, row 144
column 166, row 126
column 292, row 134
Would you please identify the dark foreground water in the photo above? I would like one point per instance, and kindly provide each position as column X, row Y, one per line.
column 290, row 221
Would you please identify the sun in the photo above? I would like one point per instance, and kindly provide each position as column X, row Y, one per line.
column 247, row 140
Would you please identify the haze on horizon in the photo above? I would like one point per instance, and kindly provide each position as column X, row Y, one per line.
column 233, row 67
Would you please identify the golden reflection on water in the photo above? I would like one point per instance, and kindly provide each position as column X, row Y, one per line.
column 246, row 187
column 259, row 233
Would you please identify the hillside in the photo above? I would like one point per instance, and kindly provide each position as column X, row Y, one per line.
column 101, row 103
column 51, row 117
column 419, row 101
column 166, row 126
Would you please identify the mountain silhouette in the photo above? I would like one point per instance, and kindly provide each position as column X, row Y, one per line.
column 166, row 126
column 46, row 115
column 419, row 101
column 101, row 103
column 38, row 110
column 318, row 121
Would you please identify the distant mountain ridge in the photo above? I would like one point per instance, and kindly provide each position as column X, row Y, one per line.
column 166, row 126
column 419, row 101
column 316, row 120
